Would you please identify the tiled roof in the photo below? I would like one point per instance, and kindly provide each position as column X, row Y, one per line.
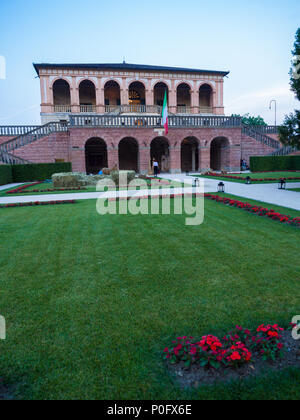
column 126, row 66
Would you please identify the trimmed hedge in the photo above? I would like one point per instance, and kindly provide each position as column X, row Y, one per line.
column 38, row 171
column 6, row 174
column 274, row 163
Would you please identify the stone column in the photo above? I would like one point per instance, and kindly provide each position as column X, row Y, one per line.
column 144, row 158
column 173, row 101
column 175, row 160
column 100, row 102
column 150, row 97
column 193, row 158
column 47, row 105
column 204, row 158
column 75, row 103
column 112, row 157
column 195, row 101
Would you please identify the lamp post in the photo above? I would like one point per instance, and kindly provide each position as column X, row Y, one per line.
column 248, row 180
column 221, row 187
column 270, row 107
column 282, row 184
column 196, row 184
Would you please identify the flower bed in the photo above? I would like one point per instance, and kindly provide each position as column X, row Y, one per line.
column 37, row 203
column 258, row 210
column 241, row 178
column 23, row 188
column 241, row 352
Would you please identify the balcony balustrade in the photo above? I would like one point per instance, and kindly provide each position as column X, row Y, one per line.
column 152, row 121
column 133, row 109
column 66, row 109
column 88, row 109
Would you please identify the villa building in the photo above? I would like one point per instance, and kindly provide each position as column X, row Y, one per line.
column 109, row 115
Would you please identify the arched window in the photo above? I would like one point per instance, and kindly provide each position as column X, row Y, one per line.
column 87, row 96
column 137, row 94
column 112, row 95
column 205, row 99
column 61, row 96
column 183, row 98
column 159, row 93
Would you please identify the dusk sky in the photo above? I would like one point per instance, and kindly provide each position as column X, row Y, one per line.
column 251, row 39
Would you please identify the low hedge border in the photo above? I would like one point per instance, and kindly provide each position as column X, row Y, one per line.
column 37, row 203
column 23, row 188
column 274, row 163
column 258, row 210
column 241, row 178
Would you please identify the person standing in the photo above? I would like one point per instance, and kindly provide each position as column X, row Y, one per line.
column 155, row 168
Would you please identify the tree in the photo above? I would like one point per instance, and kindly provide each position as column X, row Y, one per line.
column 247, row 119
column 289, row 132
column 295, row 70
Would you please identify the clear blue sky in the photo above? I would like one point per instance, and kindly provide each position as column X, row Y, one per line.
column 252, row 39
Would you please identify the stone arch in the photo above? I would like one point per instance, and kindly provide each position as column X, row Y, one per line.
column 129, row 154
column 190, row 156
column 112, row 93
column 159, row 93
column 220, row 154
column 206, row 93
column 183, row 92
column 87, row 95
column 160, row 150
column 61, row 92
column 95, row 155
column 137, row 93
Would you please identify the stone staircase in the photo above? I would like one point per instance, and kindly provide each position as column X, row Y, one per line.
column 256, row 133
column 6, row 149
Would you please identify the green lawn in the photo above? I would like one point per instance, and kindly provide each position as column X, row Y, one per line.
column 257, row 175
column 294, row 189
column 46, row 186
column 91, row 301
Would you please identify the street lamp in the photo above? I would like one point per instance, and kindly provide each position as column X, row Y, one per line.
column 196, row 184
column 270, row 107
column 221, row 187
column 282, row 184
column 248, row 180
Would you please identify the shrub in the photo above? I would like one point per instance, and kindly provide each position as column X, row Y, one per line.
column 5, row 174
column 274, row 163
column 122, row 177
column 38, row 171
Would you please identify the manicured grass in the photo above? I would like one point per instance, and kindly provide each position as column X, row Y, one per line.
column 45, row 186
column 91, row 301
column 294, row 189
column 257, row 175
column 279, row 209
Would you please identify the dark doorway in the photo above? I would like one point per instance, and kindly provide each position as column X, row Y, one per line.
column 95, row 155
column 219, row 154
column 189, row 155
column 161, row 152
column 129, row 154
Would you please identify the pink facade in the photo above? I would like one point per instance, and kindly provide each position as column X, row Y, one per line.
column 108, row 115
column 124, row 88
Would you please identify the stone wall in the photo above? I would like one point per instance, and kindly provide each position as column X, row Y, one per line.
column 70, row 146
